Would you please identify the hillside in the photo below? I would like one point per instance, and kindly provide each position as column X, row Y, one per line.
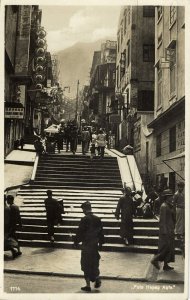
column 75, row 63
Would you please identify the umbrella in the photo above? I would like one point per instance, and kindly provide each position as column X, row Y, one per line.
column 52, row 129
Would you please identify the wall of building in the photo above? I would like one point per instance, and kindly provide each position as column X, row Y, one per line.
column 172, row 34
column 143, row 143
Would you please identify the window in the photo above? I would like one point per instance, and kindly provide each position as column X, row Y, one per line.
column 129, row 16
column 148, row 11
column 172, row 14
column 159, row 41
column 172, row 181
column 172, row 60
column 121, row 32
column 159, row 98
column 125, row 22
column 128, row 53
column 172, row 139
column 158, row 145
column 148, row 53
column 117, row 75
column 123, row 63
column 145, row 100
column 159, row 12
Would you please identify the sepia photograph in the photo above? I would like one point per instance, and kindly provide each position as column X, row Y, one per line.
column 94, row 150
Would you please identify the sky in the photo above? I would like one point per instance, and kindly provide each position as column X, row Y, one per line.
column 67, row 25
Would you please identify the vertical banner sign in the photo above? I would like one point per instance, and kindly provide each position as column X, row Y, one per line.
column 23, row 40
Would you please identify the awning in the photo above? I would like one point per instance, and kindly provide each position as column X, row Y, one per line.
column 169, row 161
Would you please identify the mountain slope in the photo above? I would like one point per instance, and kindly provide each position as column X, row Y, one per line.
column 75, row 64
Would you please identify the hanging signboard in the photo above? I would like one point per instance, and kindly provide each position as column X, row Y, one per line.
column 14, row 113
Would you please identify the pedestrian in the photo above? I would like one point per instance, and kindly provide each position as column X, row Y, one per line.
column 67, row 135
column 90, row 233
column 59, row 141
column 53, row 213
column 179, row 202
column 138, row 203
column 126, row 209
column 85, row 138
column 39, row 146
column 166, row 246
column 73, row 138
column 93, row 146
column 153, row 199
column 101, row 142
column 21, row 143
column 10, row 244
column 15, row 221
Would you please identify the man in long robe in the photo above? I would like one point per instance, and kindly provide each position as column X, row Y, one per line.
column 126, row 209
column 166, row 246
column 53, row 213
column 90, row 233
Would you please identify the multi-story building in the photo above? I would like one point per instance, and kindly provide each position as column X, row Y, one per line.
column 169, row 112
column 102, row 83
column 28, row 73
column 19, row 49
column 134, row 93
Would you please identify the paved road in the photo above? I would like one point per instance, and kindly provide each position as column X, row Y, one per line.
column 16, row 283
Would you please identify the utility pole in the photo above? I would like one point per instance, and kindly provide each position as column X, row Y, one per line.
column 77, row 96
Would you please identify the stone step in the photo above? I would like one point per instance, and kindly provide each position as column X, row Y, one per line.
column 82, row 192
column 83, row 179
column 115, row 239
column 107, row 247
column 76, row 157
column 146, row 231
column 75, row 204
column 35, row 186
column 75, row 174
column 74, row 221
column 71, row 167
column 62, row 184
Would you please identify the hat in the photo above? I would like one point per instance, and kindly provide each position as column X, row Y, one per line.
column 127, row 190
column 167, row 192
column 86, row 205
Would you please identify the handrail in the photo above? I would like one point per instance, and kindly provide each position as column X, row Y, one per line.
column 35, row 168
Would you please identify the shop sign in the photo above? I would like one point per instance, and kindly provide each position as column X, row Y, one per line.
column 115, row 119
column 14, row 113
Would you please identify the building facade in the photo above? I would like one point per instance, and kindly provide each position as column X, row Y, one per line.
column 102, row 84
column 134, row 93
column 169, row 113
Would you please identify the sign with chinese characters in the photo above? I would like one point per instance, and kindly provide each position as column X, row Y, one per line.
column 23, row 40
column 14, row 113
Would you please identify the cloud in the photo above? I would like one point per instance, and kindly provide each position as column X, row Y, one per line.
column 87, row 24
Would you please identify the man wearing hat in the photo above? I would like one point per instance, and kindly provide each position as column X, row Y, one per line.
column 166, row 246
column 54, row 212
column 90, row 233
column 126, row 209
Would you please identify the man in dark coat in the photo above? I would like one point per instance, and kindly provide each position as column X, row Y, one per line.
column 53, row 213
column 90, row 233
column 15, row 220
column 166, row 246
column 126, row 208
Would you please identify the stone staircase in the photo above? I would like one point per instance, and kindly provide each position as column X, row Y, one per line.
column 76, row 179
